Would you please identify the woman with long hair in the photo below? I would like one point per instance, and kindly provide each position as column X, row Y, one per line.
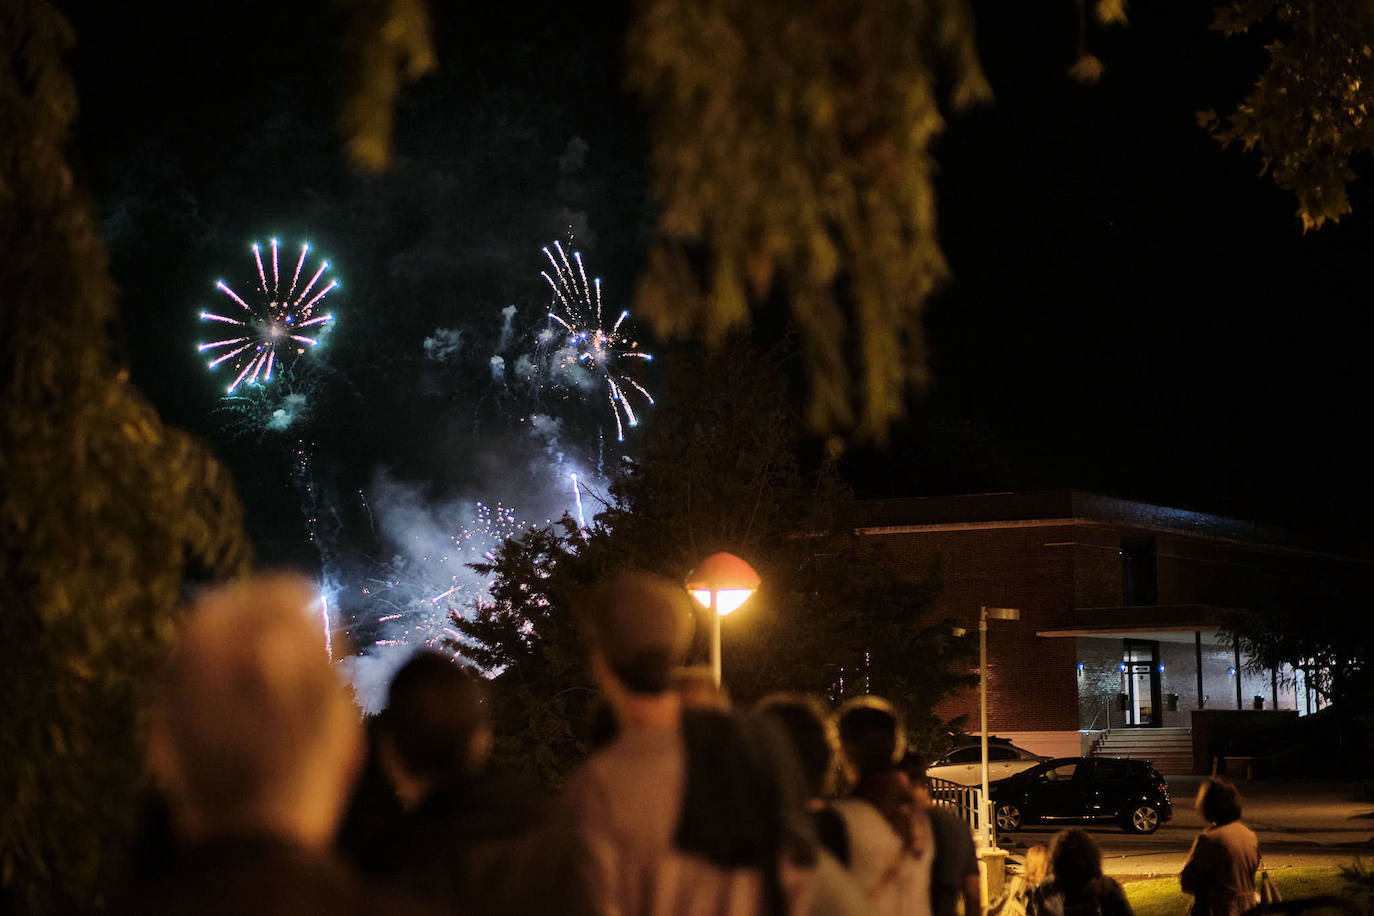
column 1077, row 886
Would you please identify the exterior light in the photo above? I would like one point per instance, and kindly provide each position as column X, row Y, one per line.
column 728, row 600
column 1123, row 666
column 1231, row 672
column 721, row 583
column 1161, row 667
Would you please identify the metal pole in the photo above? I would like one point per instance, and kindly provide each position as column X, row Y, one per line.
column 715, row 639
column 1240, row 704
column 1197, row 648
column 985, row 821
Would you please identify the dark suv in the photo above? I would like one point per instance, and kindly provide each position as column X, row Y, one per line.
column 1084, row 789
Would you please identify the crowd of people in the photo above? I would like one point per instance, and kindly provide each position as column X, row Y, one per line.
column 685, row 806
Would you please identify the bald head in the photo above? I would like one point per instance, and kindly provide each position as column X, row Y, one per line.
column 252, row 730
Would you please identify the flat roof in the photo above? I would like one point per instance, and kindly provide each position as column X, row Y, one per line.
column 1041, row 507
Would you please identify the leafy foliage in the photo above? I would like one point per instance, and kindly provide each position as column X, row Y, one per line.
column 103, row 511
column 1315, row 632
column 719, row 473
column 388, row 43
column 791, row 154
column 1308, row 114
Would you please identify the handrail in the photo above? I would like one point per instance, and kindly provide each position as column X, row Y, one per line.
column 1106, row 709
column 1106, row 713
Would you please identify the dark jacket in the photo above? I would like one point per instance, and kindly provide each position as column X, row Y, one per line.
column 260, row 875
column 470, row 832
column 1101, row 896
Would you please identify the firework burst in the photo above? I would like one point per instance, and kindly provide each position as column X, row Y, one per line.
column 577, row 309
column 277, row 325
column 419, row 592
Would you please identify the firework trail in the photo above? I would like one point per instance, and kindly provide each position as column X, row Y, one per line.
column 273, row 326
column 577, row 309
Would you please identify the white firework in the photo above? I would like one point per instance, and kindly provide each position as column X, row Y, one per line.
column 577, row 310
column 272, row 328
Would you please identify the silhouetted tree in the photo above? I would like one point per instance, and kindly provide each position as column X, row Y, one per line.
column 104, row 512
column 1309, row 114
column 719, row 472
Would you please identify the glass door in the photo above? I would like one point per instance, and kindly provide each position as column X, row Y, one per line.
column 1140, row 685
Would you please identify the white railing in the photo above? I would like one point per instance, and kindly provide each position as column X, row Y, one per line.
column 963, row 800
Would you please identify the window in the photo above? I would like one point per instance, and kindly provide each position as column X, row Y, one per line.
column 1139, row 572
column 1061, row 773
column 966, row 755
column 1000, row 753
column 1107, row 768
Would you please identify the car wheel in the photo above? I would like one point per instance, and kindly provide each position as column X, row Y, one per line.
column 1143, row 818
column 1008, row 818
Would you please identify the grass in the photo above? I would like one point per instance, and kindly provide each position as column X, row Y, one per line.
column 1161, row 896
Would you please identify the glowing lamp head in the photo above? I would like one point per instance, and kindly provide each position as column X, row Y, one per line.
column 731, row 579
column 728, row 600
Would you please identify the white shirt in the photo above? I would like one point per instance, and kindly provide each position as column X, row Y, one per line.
column 895, row 878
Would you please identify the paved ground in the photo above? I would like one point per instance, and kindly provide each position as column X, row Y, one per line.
column 1297, row 824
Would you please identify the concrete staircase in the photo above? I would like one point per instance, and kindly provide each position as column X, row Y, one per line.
column 1169, row 749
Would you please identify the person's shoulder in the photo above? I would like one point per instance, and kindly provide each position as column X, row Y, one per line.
column 949, row 827
column 1232, row 832
column 948, row 820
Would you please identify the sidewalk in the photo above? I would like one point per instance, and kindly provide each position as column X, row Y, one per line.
column 1298, row 824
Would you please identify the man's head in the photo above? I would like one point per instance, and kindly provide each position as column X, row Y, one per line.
column 638, row 627
column 436, row 726
column 1218, row 801
column 252, row 732
column 812, row 734
column 871, row 735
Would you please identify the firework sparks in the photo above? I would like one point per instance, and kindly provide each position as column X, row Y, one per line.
column 577, row 309
column 577, row 495
column 424, row 590
column 271, row 328
column 328, row 634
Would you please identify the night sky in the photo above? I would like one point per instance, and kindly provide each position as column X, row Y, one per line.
column 1133, row 310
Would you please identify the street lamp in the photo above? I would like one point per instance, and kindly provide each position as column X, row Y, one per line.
column 721, row 583
column 984, row 615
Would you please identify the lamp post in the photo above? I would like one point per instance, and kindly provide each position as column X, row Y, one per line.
column 984, row 615
column 721, row 583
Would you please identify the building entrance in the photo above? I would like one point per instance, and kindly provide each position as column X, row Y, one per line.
column 1140, row 683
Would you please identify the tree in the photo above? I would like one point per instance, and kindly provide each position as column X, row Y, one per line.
column 388, row 42
column 1309, row 113
column 1318, row 632
column 790, row 146
column 104, row 512
column 719, row 472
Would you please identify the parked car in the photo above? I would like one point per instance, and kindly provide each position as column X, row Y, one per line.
column 1084, row 789
column 964, row 764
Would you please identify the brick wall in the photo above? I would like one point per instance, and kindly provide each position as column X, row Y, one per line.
column 1030, row 679
column 1050, row 571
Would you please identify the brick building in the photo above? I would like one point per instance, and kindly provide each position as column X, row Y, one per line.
column 1121, row 606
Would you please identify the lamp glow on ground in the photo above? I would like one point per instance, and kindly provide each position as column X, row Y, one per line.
column 721, row 583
